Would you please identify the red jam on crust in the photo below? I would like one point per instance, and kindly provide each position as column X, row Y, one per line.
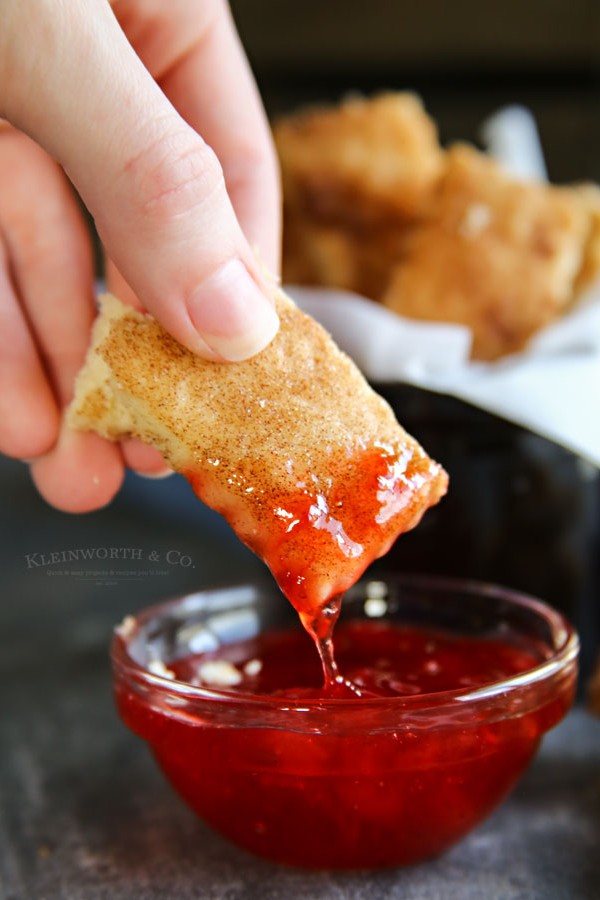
column 293, row 447
column 318, row 536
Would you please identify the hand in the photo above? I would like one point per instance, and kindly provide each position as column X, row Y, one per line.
column 118, row 99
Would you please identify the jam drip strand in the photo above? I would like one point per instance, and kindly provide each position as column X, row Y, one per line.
column 320, row 628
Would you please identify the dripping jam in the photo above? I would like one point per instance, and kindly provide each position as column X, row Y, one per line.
column 374, row 756
column 378, row 774
column 316, row 534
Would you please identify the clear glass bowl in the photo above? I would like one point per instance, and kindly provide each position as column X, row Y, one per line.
column 344, row 783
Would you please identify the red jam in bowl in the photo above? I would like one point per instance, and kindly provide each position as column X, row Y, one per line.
column 446, row 692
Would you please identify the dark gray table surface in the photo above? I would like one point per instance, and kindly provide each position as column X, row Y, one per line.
column 85, row 814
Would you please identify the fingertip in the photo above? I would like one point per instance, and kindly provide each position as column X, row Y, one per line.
column 144, row 460
column 231, row 313
column 156, row 476
column 29, row 439
column 82, row 473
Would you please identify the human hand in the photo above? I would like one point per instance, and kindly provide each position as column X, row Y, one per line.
column 117, row 99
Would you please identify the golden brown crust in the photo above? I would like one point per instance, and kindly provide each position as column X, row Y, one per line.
column 589, row 196
column 288, row 399
column 354, row 259
column 269, row 442
column 373, row 204
column 498, row 255
column 362, row 161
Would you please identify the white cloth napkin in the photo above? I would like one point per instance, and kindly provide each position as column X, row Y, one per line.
column 553, row 388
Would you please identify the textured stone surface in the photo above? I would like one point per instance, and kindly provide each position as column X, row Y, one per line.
column 85, row 814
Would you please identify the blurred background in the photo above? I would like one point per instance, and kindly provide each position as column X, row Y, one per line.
column 465, row 58
column 521, row 511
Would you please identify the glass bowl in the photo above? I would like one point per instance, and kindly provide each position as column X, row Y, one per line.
column 344, row 783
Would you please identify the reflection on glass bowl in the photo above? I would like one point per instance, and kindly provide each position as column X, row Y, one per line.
column 336, row 782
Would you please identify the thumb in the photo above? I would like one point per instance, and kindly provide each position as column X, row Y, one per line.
column 155, row 189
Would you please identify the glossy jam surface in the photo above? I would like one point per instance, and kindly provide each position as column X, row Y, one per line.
column 349, row 796
column 378, row 658
column 318, row 534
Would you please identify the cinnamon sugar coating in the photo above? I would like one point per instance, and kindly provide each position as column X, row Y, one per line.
column 496, row 254
column 290, row 446
column 373, row 204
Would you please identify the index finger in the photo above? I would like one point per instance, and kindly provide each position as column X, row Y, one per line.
column 193, row 51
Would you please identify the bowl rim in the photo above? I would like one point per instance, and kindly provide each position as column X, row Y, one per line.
column 125, row 667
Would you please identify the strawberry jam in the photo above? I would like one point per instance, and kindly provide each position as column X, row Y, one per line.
column 379, row 658
column 407, row 765
column 318, row 534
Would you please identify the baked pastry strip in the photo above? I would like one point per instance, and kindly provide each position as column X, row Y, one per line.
column 293, row 447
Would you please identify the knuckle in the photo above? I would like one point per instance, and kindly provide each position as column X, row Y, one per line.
column 173, row 175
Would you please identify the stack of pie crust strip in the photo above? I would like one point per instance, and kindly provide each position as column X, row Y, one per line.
column 373, row 204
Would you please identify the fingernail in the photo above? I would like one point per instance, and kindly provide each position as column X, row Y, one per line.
column 156, row 476
column 231, row 314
